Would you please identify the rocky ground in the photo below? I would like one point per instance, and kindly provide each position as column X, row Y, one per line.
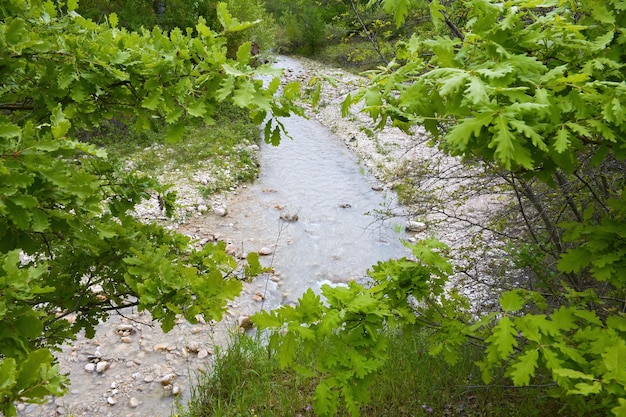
column 131, row 368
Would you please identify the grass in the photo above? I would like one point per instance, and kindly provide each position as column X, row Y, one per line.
column 247, row 381
column 220, row 151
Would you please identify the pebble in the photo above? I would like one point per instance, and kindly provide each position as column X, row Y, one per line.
column 244, row 322
column 90, row 367
column 220, row 211
column 415, row 226
column 133, row 402
column 289, row 217
column 167, row 379
column 102, row 366
column 160, row 347
column 203, row 353
column 264, row 251
column 111, row 401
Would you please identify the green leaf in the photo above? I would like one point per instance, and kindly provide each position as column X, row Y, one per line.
column 197, row 108
column 326, row 398
column 59, row 124
column 503, row 337
column 244, row 94
column 16, row 32
column 572, row 374
column 562, row 141
column 9, row 130
column 30, row 370
column 8, row 373
column 584, row 388
column 476, row 91
column 460, row 135
column 524, row 367
column 512, row 301
column 113, row 20
column 152, row 100
column 175, row 132
column 620, row 410
column 614, row 359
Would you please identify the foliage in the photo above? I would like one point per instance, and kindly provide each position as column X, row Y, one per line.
column 68, row 243
column 246, row 380
column 301, row 25
column 341, row 337
column 171, row 14
column 535, row 88
column 534, row 91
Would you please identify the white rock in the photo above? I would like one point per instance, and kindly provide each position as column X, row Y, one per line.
column 90, row 367
column 203, row 353
column 167, row 379
column 102, row 366
column 160, row 347
column 220, row 211
column 111, row 401
column 264, row 251
column 415, row 226
column 176, row 389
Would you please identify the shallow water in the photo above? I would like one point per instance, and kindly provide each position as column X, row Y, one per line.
column 336, row 236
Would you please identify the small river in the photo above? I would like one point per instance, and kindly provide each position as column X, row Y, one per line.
column 336, row 237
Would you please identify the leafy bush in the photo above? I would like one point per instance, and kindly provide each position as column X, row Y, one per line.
column 65, row 210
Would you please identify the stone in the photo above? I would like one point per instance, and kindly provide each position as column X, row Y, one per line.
column 289, row 217
column 193, row 346
column 415, row 226
column 264, row 251
column 176, row 389
column 126, row 328
column 167, row 379
column 160, row 347
column 133, row 402
column 203, row 353
column 244, row 322
column 90, row 367
column 111, row 401
column 148, row 379
column 102, row 366
column 220, row 211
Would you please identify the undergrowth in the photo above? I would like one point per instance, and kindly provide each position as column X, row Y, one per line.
column 246, row 380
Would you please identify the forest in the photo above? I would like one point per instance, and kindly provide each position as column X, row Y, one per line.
column 526, row 93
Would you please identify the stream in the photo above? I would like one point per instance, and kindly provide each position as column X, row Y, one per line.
column 335, row 239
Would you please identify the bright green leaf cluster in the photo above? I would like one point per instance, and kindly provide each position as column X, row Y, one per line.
column 68, row 241
column 342, row 332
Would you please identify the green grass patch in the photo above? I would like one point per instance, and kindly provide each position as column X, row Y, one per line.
column 247, row 381
column 220, row 151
